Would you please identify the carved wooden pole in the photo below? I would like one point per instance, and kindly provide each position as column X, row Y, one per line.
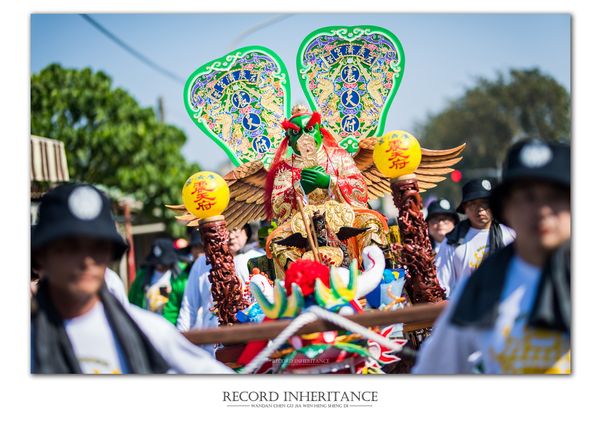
column 226, row 288
column 416, row 254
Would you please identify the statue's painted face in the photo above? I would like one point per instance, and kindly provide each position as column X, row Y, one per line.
column 304, row 133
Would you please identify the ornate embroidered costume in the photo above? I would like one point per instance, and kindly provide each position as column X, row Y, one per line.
column 347, row 185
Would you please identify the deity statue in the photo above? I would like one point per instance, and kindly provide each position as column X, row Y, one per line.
column 292, row 165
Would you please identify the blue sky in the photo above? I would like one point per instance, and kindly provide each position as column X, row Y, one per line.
column 444, row 54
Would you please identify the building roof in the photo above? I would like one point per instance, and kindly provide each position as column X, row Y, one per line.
column 48, row 160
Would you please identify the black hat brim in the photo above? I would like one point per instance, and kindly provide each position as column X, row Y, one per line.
column 474, row 195
column 165, row 260
column 184, row 250
column 41, row 237
column 454, row 215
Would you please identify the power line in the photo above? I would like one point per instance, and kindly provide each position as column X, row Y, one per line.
column 236, row 41
column 132, row 51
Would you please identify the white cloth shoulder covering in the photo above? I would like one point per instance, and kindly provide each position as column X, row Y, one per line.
column 182, row 356
column 115, row 285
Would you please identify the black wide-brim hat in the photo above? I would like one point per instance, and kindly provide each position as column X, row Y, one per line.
column 532, row 160
column 162, row 253
column 479, row 188
column 76, row 210
column 441, row 207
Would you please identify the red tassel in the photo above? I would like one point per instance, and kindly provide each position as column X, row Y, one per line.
column 328, row 139
column 314, row 119
column 287, row 125
column 271, row 176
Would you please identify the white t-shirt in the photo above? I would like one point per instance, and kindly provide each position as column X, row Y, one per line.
column 99, row 352
column 191, row 313
column 436, row 249
column 197, row 298
column 507, row 348
column 454, row 263
column 94, row 343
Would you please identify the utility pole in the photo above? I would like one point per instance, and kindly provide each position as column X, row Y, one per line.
column 161, row 110
column 129, row 235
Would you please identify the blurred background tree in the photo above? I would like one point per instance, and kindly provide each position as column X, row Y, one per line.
column 493, row 114
column 111, row 140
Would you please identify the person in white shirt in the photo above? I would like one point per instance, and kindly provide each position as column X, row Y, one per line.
column 441, row 219
column 513, row 315
column 473, row 239
column 77, row 325
column 197, row 301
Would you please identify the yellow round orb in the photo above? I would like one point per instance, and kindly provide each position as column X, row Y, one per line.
column 397, row 153
column 205, row 194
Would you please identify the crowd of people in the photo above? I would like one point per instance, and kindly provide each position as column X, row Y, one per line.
column 505, row 269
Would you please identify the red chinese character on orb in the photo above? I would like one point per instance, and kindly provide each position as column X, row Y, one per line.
column 203, row 199
column 398, row 160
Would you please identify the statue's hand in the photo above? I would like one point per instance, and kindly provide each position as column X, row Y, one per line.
column 313, row 178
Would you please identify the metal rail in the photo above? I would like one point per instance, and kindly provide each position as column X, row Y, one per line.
column 413, row 317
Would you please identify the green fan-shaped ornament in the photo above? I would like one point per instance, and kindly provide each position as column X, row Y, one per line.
column 239, row 101
column 350, row 75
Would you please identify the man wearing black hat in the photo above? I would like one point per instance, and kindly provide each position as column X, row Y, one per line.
column 159, row 281
column 196, row 244
column 188, row 256
column 513, row 315
column 473, row 239
column 77, row 325
column 441, row 219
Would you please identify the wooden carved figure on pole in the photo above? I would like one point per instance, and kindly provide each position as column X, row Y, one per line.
column 397, row 155
column 206, row 195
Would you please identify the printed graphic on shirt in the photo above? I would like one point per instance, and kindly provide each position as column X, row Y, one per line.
column 158, row 296
column 534, row 352
column 90, row 365
column 477, row 258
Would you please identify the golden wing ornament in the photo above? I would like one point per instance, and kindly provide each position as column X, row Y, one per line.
column 247, row 197
column 247, row 194
column 435, row 164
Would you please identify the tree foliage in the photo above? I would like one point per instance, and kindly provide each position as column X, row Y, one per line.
column 493, row 114
column 109, row 138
